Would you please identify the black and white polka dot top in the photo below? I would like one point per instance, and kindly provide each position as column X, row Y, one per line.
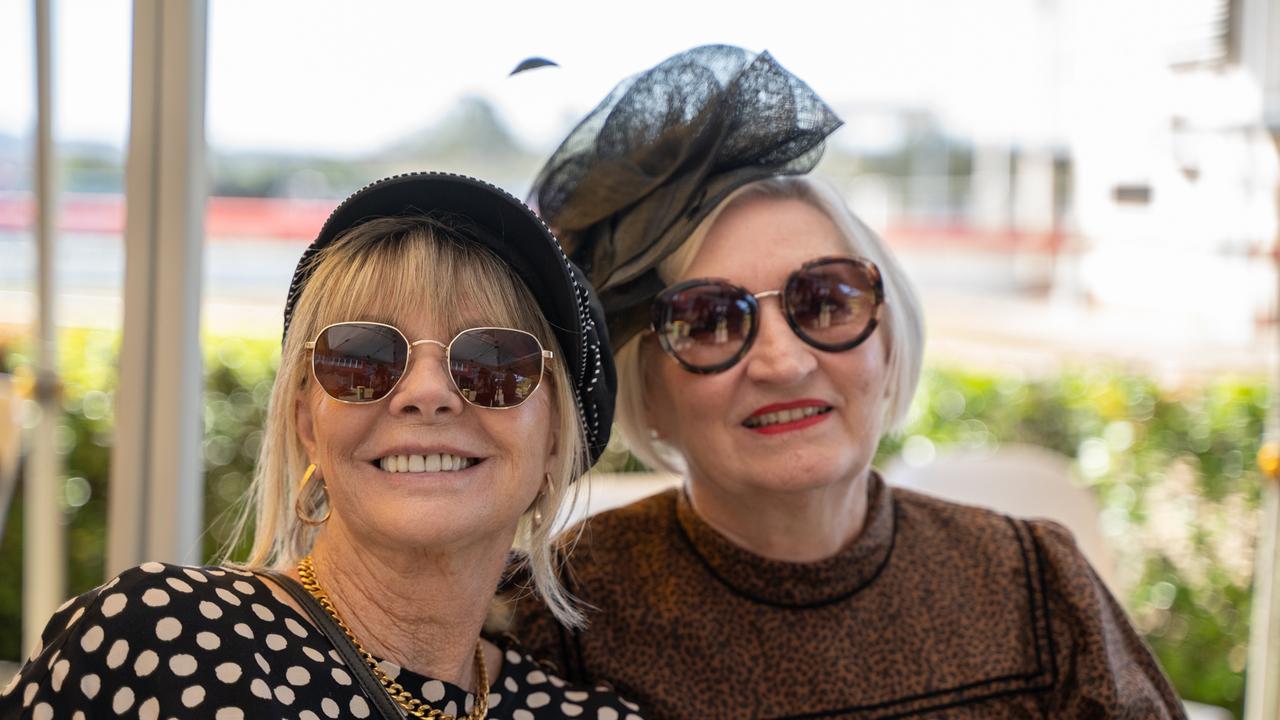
column 167, row 641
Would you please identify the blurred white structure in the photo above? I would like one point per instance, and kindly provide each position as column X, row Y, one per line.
column 156, row 483
column 156, row 502
column 1175, row 173
column 1258, row 32
column 43, row 537
column 599, row 492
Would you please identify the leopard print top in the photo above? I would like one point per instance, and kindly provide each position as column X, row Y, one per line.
column 937, row 610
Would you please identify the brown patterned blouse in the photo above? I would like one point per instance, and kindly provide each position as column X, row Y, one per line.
column 937, row 610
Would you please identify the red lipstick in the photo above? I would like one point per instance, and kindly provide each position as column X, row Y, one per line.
column 775, row 428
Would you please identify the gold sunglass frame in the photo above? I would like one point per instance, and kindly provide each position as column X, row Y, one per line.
column 545, row 356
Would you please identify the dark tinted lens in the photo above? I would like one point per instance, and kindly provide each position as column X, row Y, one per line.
column 704, row 325
column 832, row 303
column 359, row 362
column 495, row 367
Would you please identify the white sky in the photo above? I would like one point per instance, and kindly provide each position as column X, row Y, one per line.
column 345, row 77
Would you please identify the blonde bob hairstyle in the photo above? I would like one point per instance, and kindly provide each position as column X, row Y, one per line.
column 380, row 270
column 901, row 320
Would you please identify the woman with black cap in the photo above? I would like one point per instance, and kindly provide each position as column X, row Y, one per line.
column 441, row 386
column 766, row 339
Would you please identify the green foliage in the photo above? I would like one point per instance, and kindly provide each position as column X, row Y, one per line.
column 1173, row 471
column 238, row 377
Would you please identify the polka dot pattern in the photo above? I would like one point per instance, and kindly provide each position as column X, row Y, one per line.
column 183, row 665
column 165, row 641
column 118, row 654
column 433, row 691
column 208, row 641
column 75, row 618
column 192, row 696
column 146, row 663
column 168, row 628
column 228, row 672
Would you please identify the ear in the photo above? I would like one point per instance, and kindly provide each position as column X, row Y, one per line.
column 304, row 421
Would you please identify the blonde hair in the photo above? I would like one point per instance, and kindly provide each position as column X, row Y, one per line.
column 901, row 319
column 379, row 270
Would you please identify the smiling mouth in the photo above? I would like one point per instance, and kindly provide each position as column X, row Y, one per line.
column 785, row 416
column 435, row 462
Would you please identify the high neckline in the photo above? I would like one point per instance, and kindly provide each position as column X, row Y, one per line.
column 794, row 584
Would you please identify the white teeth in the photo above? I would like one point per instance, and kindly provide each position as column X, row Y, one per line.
column 436, row 462
column 783, row 416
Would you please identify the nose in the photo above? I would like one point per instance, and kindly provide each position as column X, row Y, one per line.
column 778, row 356
column 426, row 390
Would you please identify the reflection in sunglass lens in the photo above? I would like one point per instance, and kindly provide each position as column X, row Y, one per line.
column 490, row 367
column 832, row 303
column 358, row 362
column 707, row 324
column 495, row 367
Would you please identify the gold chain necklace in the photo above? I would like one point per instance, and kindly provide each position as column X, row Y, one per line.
column 411, row 705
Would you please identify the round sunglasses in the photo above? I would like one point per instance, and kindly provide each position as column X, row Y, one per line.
column 708, row 324
column 491, row 367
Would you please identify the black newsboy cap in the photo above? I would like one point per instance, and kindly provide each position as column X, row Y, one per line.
column 510, row 230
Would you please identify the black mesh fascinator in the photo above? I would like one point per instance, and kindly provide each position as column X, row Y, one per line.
column 631, row 182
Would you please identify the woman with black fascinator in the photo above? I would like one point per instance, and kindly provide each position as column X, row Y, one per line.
column 766, row 339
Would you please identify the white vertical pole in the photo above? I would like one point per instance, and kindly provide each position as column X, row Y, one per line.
column 1258, row 29
column 43, row 555
column 1263, row 681
column 155, row 506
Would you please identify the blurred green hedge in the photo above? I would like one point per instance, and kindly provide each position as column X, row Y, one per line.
column 1172, row 468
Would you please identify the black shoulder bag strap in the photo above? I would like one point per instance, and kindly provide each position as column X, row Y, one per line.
column 373, row 689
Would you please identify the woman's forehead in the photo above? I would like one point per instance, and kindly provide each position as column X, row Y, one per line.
column 426, row 320
column 756, row 239
column 430, row 288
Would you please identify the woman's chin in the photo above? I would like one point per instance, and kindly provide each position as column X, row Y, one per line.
column 811, row 473
column 419, row 524
column 791, row 482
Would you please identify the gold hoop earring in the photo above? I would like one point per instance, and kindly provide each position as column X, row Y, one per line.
column 535, row 521
column 297, row 503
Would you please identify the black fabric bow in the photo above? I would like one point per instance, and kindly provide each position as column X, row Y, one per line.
column 633, row 180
